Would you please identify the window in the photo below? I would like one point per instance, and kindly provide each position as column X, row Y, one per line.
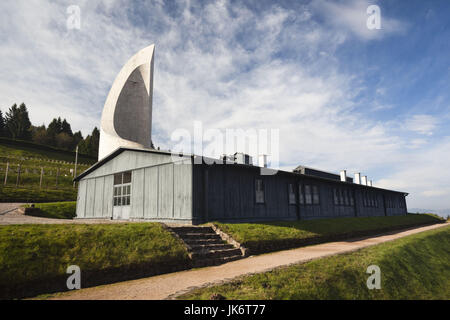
column 370, row 200
column 301, row 196
column 259, row 191
column 316, row 197
column 291, row 192
column 352, row 199
column 122, row 189
column 335, row 196
column 341, row 197
column 308, row 196
column 346, row 200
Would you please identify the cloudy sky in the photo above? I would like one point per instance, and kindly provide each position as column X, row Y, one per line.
column 342, row 96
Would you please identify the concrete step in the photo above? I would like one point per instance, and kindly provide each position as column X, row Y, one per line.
column 184, row 230
column 206, row 248
column 194, row 242
column 221, row 253
column 187, row 236
column 211, row 246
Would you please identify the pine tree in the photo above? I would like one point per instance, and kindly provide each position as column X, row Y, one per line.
column 2, row 125
column 65, row 127
column 89, row 145
column 18, row 122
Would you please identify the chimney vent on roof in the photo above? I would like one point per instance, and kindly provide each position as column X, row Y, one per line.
column 243, row 158
column 263, row 161
column 344, row 176
column 370, row 183
column 364, row 180
column 358, row 178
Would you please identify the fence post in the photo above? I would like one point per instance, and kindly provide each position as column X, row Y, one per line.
column 18, row 175
column 6, row 173
column 76, row 163
column 40, row 181
column 57, row 175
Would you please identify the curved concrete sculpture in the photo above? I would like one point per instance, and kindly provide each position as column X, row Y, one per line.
column 127, row 114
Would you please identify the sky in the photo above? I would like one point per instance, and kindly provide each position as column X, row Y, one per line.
column 343, row 96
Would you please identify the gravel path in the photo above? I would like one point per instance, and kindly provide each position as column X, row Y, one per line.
column 164, row 286
column 8, row 207
column 9, row 214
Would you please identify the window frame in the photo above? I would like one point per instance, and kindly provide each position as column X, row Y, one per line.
column 315, row 195
column 301, row 194
column 308, row 194
column 292, row 199
column 122, row 191
column 260, row 196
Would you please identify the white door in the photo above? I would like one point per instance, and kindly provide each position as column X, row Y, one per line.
column 122, row 196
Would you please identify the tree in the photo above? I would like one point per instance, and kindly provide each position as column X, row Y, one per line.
column 18, row 122
column 65, row 127
column 40, row 135
column 63, row 141
column 77, row 138
column 2, row 125
column 89, row 145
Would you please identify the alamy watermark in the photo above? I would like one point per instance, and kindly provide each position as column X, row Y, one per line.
column 74, row 281
column 74, row 17
column 374, row 20
column 216, row 146
column 374, row 281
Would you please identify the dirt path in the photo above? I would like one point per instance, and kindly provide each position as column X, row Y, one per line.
column 9, row 214
column 163, row 286
column 8, row 207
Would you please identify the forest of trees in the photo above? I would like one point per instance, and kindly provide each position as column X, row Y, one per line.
column 15, row 124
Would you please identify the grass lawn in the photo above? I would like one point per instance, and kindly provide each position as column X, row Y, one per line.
column 56, row 210
column 26, row 149
column 413, row 267
column 56, row 166
column 34, row 258
column 272, row 236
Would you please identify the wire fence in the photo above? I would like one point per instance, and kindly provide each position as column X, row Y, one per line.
column 43, row 177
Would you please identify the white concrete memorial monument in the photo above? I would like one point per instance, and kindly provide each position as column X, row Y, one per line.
column 127, row 114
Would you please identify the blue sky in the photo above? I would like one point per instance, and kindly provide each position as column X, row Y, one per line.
column 343, row 96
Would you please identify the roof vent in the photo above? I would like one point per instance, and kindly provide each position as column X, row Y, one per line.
column 263, row 161
column 364, row 180
column 344, row 176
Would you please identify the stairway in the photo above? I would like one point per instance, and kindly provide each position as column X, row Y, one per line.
column 206, row 248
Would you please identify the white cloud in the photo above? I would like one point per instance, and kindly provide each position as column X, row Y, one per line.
column 351, row 16
column 422, row 124
column 226, row 66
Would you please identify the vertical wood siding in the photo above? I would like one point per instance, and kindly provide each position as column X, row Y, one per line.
column 160, row 191
column 227, row 193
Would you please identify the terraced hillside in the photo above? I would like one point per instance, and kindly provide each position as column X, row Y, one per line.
column 34, row 173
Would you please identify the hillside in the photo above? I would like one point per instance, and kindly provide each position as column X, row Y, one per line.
column 26, row 162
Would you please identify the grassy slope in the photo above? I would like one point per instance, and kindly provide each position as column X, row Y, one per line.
column 40, row 253
column 57, row 210
column 32, row 157
column 270, row 236
column 414, row 267
column 28, row 149
column 36, row 195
